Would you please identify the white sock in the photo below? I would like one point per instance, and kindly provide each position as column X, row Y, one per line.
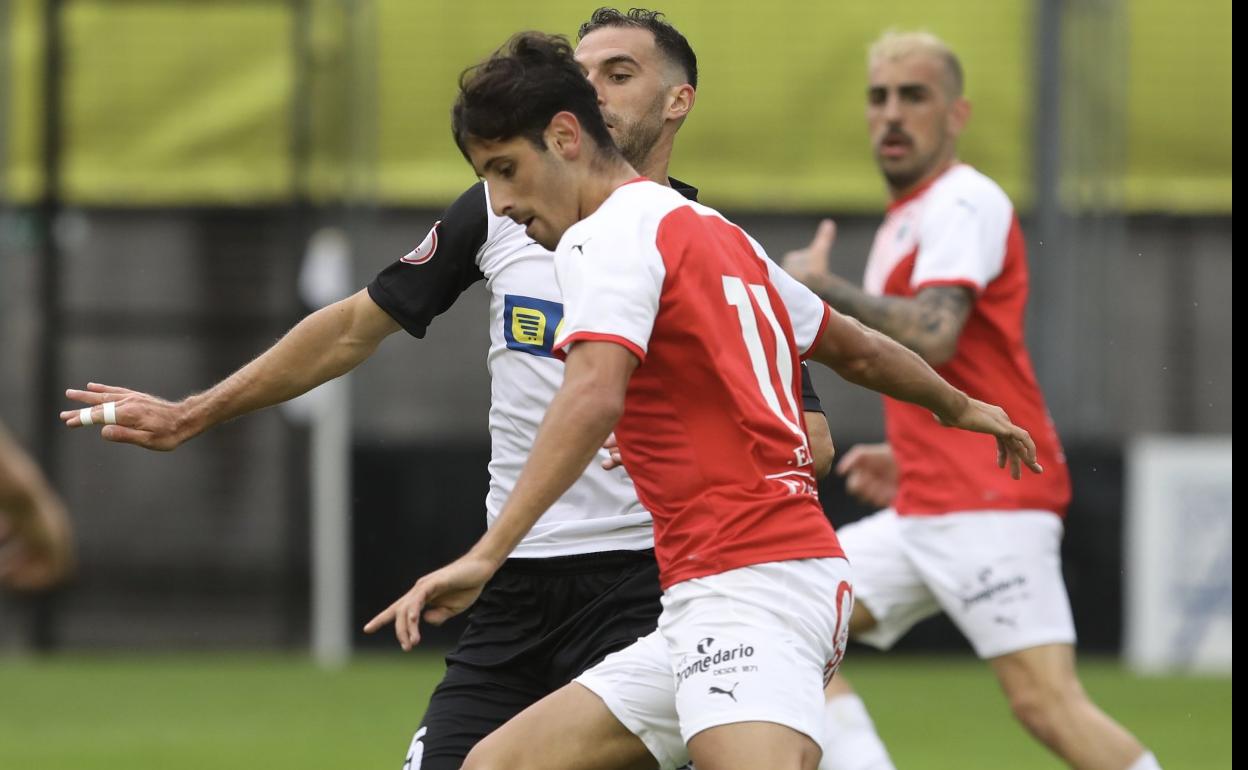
column 1146, row 762
column 850, row 740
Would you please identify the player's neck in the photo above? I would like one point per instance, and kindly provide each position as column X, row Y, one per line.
column 898, row 193
column 654, row 166
column 600, row 183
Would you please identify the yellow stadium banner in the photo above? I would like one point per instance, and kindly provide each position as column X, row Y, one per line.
column 243, row 102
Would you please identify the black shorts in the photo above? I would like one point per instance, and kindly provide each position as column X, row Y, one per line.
column 538, row 625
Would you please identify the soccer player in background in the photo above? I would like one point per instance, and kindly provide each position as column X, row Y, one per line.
column 682, row 336
column 947, row 277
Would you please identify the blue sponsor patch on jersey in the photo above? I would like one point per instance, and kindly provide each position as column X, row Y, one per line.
column 531, row 325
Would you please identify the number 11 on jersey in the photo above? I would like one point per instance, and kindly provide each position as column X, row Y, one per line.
column 738, row 296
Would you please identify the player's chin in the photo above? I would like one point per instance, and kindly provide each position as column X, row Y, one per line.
column 536, row 229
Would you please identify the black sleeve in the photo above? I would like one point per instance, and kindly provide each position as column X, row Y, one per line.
column 427, row 281
column 810, row 399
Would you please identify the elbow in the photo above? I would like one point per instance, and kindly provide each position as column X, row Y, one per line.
column 610, row 406
column 822, row 449
column 824, row 453
column 938, row 347
column 858, row 369
column 938, row 352
column 599, row 399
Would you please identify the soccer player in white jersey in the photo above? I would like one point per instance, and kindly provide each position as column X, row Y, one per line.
column 947, row 276
column 682, row 336
column 584, row 582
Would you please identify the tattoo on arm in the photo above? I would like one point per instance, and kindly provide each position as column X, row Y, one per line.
column 928, row 324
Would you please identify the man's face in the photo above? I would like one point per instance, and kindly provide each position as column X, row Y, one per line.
column 631, row 77
column 532, row 186
column 913, row 122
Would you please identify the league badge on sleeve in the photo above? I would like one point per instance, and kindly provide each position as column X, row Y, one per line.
column 425, row 251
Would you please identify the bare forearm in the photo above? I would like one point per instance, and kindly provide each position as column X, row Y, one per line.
column 576, row 425
column 327, row 344
column 581, row 416
column 867, row 358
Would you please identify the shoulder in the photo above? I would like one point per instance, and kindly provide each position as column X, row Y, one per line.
column 965, row 186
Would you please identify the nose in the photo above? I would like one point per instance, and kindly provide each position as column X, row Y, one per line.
column 892, row 108
column 500, row 201
column 595, row 80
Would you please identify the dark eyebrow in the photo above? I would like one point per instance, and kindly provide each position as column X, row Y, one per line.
column 620, row 59
column 491, row 162
column 909, row 90
column 913, row 89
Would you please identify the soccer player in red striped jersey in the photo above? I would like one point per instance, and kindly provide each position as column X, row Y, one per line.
column 680, row 334
column 947, row 276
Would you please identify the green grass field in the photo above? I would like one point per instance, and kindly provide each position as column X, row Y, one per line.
column 211, row 711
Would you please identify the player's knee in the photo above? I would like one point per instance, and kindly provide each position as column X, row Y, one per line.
column 1043, row 706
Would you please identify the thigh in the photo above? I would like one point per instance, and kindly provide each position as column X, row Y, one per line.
column 467, row 705
column 1044, row 668
column 570, row 729
column 637, row 687
column 751, row 745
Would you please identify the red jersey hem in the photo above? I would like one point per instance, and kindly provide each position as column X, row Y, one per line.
column 667, row 581
column 560, row 351
column 1060, row 512
column 823, row 327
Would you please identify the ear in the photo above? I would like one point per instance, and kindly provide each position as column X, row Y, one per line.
column 959, row 114
column 680, row 101
column 563, row 135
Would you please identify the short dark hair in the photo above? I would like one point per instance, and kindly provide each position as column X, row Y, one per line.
column 524, row 84
column 670, row 42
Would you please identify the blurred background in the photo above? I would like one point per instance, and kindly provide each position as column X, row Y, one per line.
column 166, row 166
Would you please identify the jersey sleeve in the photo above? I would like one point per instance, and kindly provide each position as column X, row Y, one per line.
column 962, row 239
column 808, row 314
column 611, row 284
column 426, row 281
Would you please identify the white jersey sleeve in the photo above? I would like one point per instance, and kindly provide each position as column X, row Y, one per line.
column 963, row 233
column 808, row 313
column 611, row 280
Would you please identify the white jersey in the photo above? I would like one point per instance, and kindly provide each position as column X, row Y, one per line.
column 601, row 511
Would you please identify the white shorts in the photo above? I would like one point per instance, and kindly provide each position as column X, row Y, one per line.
column 996, row 574
column 755, row 644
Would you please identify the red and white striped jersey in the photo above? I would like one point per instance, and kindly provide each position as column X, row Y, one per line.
column 961, row 230
column 712, row 432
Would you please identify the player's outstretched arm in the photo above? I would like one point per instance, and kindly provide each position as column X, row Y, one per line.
column 327, row 344
column 928, row 323
column 872, row 360
column 581, row 416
